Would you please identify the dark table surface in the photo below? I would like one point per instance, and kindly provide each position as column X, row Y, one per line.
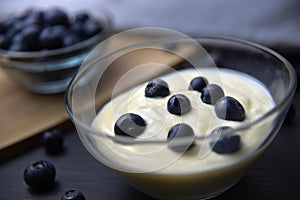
column 275, row 176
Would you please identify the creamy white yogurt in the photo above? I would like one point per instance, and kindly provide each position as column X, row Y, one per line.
column 159, row 159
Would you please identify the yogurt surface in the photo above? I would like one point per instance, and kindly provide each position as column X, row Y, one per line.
column 158, row 158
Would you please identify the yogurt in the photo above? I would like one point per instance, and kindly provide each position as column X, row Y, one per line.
column 198, row 172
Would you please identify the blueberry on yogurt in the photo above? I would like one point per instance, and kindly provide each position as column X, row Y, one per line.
column 228, row 108
column 130, row 124
column 157, row 88
column 211, row 93
column 179, row 104
column 198, row 83
column 181, row 137
column 226, row 143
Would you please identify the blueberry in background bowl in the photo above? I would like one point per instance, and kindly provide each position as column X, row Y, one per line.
column 42, row 44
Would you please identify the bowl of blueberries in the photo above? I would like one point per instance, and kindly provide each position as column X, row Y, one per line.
column 43, row 44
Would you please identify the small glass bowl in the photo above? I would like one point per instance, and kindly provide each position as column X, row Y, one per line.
column 50, row 71
column 87, row 94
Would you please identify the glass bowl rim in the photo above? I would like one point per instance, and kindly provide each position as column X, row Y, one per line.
column 128, row 140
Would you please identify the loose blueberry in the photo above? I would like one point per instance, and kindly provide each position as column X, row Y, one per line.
column 53, row 141
column 228, row 108
column 40, row 174
column 55, row 17
column 211, row 93
column 52, row 37
column 157, row 88
column 181, row 137
column 130, row 124
column 198, row 84
column 179, row 104
column 73, row 195
column 226, row 143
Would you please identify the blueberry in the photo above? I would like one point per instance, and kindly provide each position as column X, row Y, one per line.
column 228, row 108
column 55, row 16
column 211, row 93
column 52, row 37
column 219, row 130
column 2, row 27
column 179, row 104
column 71, row 39
column 91, row 28
column 77, row 28
column 198, row 84
column 8, row 22
column 181, row 137
column 130, row 124
column 73, row 195
column 82, row 17
column 34, row 17
column 27, row 38
column 4, row 42
column 157, row 88
column 14, row 30
column 40, row 174
column 16, row 46
column 226, row 143
column 53, row 141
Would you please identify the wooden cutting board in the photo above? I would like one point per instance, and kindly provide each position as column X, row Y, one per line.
column 24, row 114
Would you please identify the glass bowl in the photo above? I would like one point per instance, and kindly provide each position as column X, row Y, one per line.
column 144, row 162
column 50, row 71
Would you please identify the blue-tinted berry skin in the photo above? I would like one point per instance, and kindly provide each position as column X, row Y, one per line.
column 2, row 27
column 130, row 124
column 91, row 28
column 53, row 141
column 35, row 30
column 40, row 174
column 219, row 130
column 73, row 195
column 52, row 37
column 226, row 144
column 4, row 42
column 198, row 84
column 157, row 88
column 179, row 104
column 211, row 93
column 228, row 108
column 27, row 39
column 177, row 133
column 70, row 39
column 55, row 17
column 18, row 46
column 82, row 17
column 34, row 17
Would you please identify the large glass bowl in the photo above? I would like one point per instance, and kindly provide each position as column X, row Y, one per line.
column 100, row 79
column 50, row 71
